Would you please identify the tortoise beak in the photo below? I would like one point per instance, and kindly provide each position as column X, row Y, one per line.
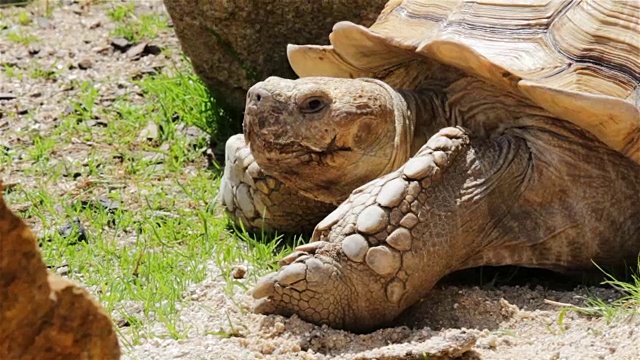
column 262, row 114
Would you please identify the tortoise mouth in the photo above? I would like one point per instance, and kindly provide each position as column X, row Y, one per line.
column 316, row 171
column 279, row 145
column 280, row 155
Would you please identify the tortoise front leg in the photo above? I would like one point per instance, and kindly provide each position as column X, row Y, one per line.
column 395, row 237
column 261, row 202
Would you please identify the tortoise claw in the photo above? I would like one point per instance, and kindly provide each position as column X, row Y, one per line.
column 265, row 306
column 311, row 247
column 292, row 257
column 265, row 286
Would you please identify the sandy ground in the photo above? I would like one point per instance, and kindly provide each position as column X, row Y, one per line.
column 456, row 320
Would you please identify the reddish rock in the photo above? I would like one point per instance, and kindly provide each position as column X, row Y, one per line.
column 233, row 45
column 42, row 315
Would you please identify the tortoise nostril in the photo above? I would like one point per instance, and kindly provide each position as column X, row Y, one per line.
column 259, row 96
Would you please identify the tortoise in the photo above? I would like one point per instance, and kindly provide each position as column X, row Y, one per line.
column 448, row 135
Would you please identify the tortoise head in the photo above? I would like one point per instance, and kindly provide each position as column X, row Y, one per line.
column 323, row 136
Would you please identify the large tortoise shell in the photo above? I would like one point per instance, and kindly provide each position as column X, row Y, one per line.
column 578, row 60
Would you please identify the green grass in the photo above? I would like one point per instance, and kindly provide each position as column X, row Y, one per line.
column 35, row 71
column 11, row 71
column 133, row 27
column 121, row 12
column 628, row 304
column 166, row 230
column 195, row 105
column 24, row 18
column 38, row 72
column 21, row 37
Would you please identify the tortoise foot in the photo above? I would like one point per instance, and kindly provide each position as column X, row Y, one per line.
column 370, row 259
column 259, row 202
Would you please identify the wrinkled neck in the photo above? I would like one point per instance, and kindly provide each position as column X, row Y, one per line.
column 404, row 123
column 427, row 111
column 419, row 114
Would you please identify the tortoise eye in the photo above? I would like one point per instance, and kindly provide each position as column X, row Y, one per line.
column 312, row 105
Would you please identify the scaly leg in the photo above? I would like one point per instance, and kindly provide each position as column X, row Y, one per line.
column 395, row 237
column 261, row 202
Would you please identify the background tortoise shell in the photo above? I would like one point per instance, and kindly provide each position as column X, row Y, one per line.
column 578, row 60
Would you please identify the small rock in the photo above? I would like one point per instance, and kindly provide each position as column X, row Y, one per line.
column 68, row 110
column 77, row 10
column 154, row 157
column 85, row 64
column 165, row 147
column 22, row 207
column 164, row 214
column 9, row 186
column 7, row 96
column 102, row 50
column 147, row 71
column 492, row 341
column 63, row 270
column 150, row 71
column 34, row 49
column 137, row 51
column 212, row 159
column 94, row 24
column 239, row 272
column 98, row 122
column 150, row 132
column 120, row 44
column 156, row 169
column 122, row 322
column 43, row 22
column 128, row 311
column 192, row 133
column 73, row 226
column 152, row 49
column 71, row 173
column 109, row 205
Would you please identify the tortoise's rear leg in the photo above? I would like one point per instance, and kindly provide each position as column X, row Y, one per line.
column 395, row 237
column 261, row 202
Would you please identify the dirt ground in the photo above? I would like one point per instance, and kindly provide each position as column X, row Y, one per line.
column 454, row 321
column 457, row 320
